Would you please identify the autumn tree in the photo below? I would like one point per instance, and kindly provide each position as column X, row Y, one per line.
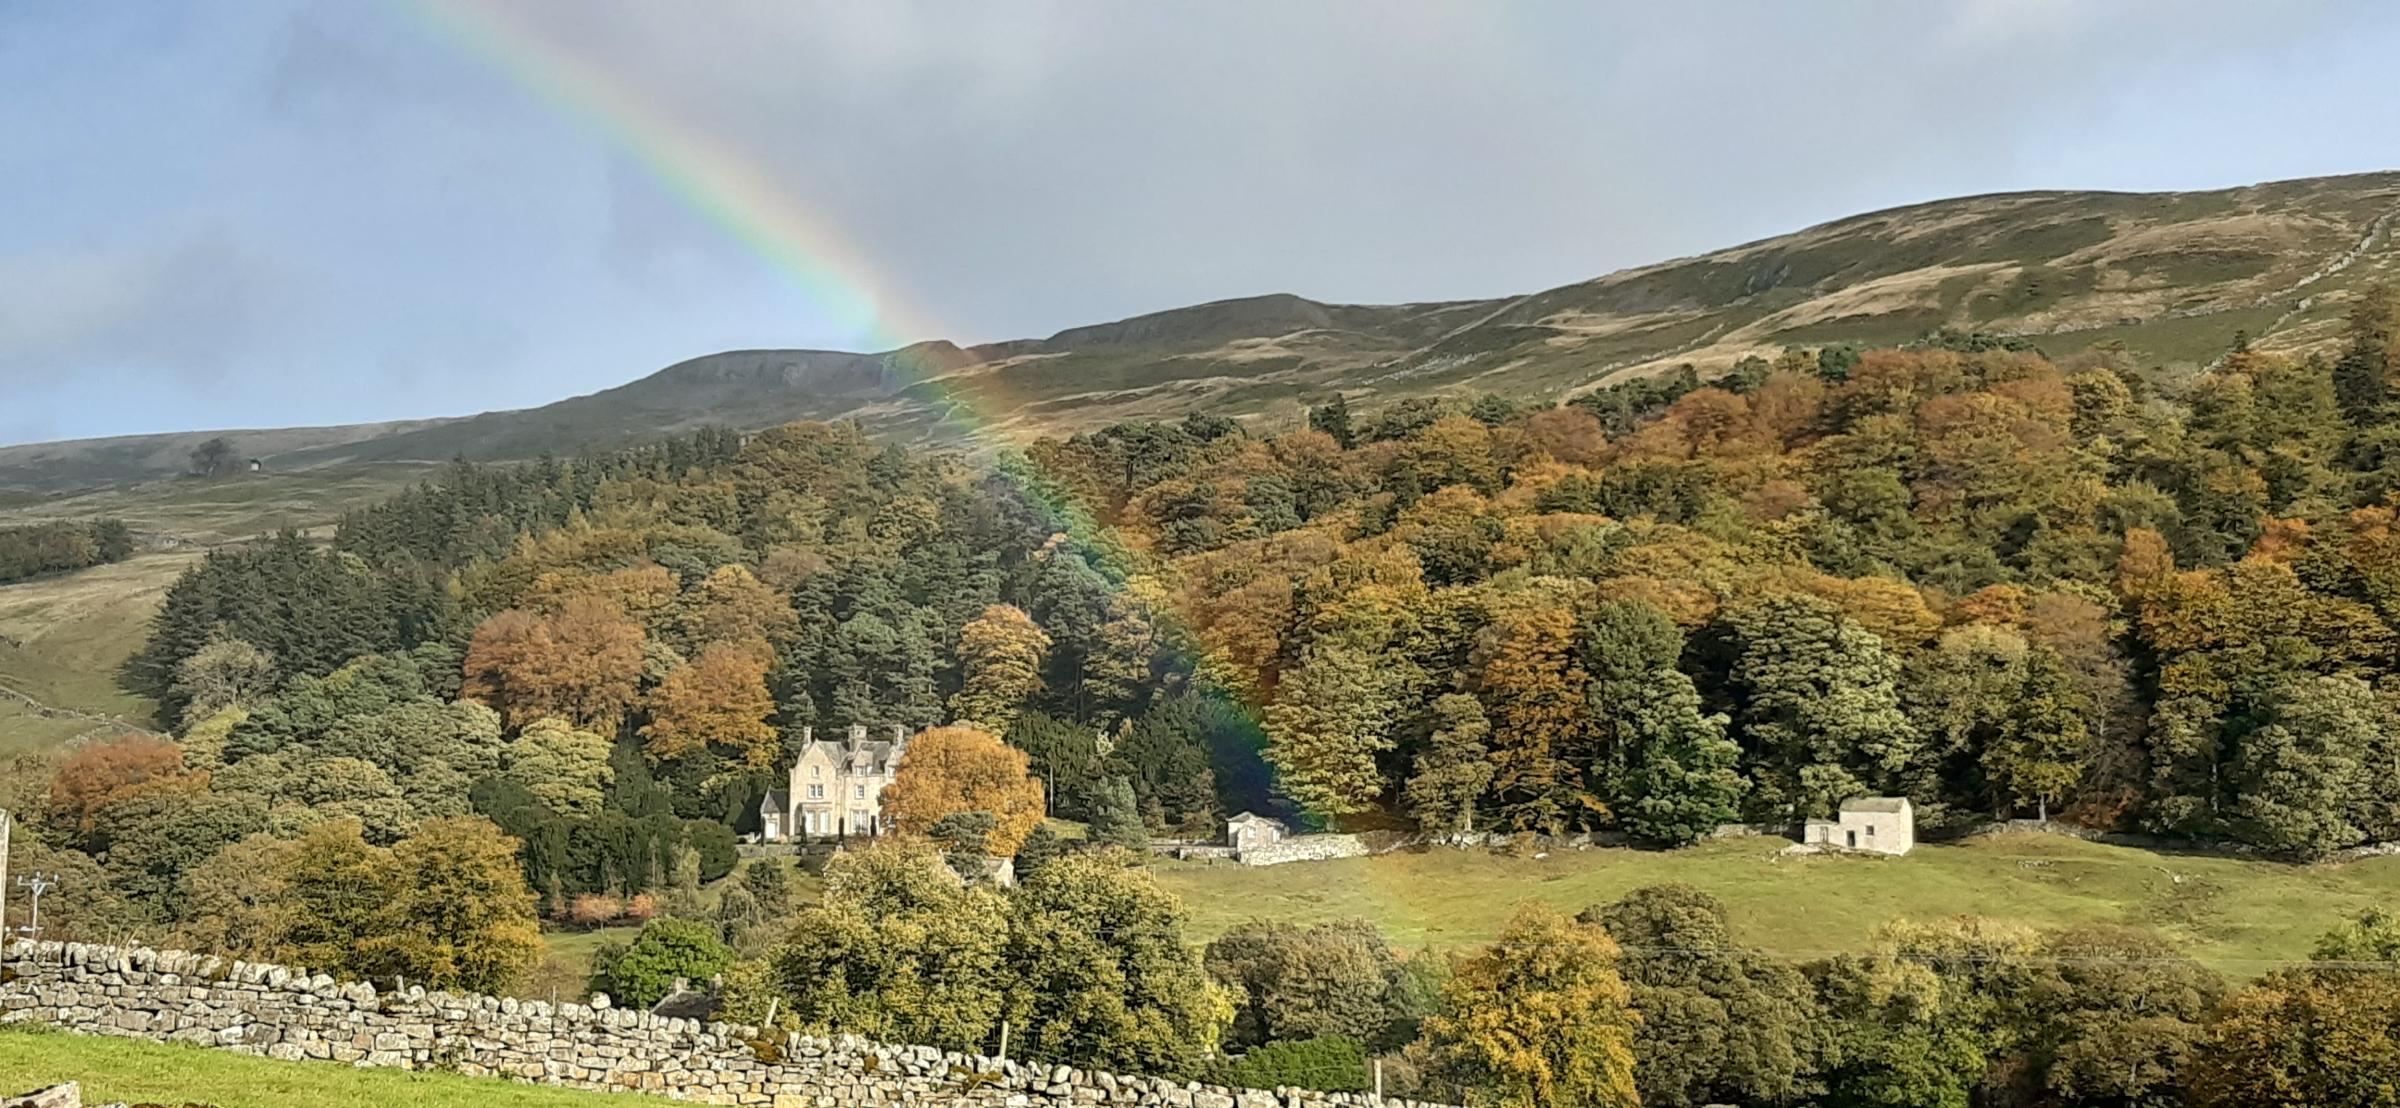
column 1000, row 656
column 731, row 607
column 717, row 703
column 2299, row 1037
column 581, row 665
column 102, row 774
column 1539, row 1018
column 1533, row 689
column 464, row 918
column 950, row 770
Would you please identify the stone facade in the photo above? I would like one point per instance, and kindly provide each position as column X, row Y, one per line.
column 834, row 788
column 1875, row 824
column 293, row 1014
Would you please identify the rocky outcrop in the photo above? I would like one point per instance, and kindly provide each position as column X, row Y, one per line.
column 287, row 1013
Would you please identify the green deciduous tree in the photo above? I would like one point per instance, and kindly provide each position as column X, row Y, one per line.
column 898, row 949
column 2044, row 743
column 1671, row 771
column 1303, row 982
column 1454, row 771
column 1719, row 1023
column 564, row 768
column 1102, row 973
column 665, row 950
column 1820, row 710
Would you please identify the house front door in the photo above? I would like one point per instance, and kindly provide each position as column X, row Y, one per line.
column 1853, row 839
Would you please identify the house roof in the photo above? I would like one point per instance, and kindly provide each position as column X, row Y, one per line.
column 1875, row 804
column 776, row 800
column 866, row 757
column 1254, row 818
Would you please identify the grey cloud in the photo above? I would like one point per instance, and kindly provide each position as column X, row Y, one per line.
column 186, row 309
column 1025, row 167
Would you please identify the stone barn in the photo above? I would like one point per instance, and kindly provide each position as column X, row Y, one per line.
column 1250, row 831
column 1878, row 824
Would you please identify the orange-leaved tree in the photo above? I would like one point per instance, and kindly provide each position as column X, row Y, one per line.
column 103, row 773
column 720, row 700
column 580, row 664
column 949, row 770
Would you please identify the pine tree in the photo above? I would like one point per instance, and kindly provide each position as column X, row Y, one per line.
column 2044, row 743
column 1116, row 818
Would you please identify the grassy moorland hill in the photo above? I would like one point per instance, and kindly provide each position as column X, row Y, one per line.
column 2172, row 276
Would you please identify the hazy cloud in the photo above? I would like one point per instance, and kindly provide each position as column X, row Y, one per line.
column 398, row 228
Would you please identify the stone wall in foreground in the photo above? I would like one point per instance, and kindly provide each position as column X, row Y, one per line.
column 292, row 1014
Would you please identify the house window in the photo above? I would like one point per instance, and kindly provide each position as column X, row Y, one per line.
column 816, row 772
column 816, row 792
column 859, row 791
column 1870, row 832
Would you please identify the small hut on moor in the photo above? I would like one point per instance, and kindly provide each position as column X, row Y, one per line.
column 1880, row 824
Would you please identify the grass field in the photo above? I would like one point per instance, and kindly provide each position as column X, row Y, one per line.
column 160, row 1073
column 62, row 638
column 2239, row 916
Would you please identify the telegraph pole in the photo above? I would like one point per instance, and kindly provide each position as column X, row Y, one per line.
column 36, row 884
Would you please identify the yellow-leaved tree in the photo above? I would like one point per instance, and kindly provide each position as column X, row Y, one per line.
column 1000, row 659
column 1539, row 1018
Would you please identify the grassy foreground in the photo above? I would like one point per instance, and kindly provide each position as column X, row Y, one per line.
column 136, row 1071
column 2241, row 917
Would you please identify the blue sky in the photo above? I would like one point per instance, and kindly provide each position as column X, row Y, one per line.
column 263, row 213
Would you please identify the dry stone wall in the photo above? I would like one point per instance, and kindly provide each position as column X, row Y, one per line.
column 287, row 1013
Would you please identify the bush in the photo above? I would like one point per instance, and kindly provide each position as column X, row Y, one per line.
column 665, row 950
column 1332, row 1064
column 594, row 910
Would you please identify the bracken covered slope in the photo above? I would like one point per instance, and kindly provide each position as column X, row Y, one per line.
column 2173, row 276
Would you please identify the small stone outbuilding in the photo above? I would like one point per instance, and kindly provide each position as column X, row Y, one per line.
column 1251, row 831
column 1877, row 824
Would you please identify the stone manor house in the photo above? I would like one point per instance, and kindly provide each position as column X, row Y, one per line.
column 836, row 788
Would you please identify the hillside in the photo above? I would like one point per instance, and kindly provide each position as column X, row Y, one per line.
column 2173, row 276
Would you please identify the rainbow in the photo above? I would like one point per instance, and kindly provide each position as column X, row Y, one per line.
column 723, row 188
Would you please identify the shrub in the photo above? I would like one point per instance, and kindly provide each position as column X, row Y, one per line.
column 1333, row 1064
column 594, row 910
column 665, row 950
